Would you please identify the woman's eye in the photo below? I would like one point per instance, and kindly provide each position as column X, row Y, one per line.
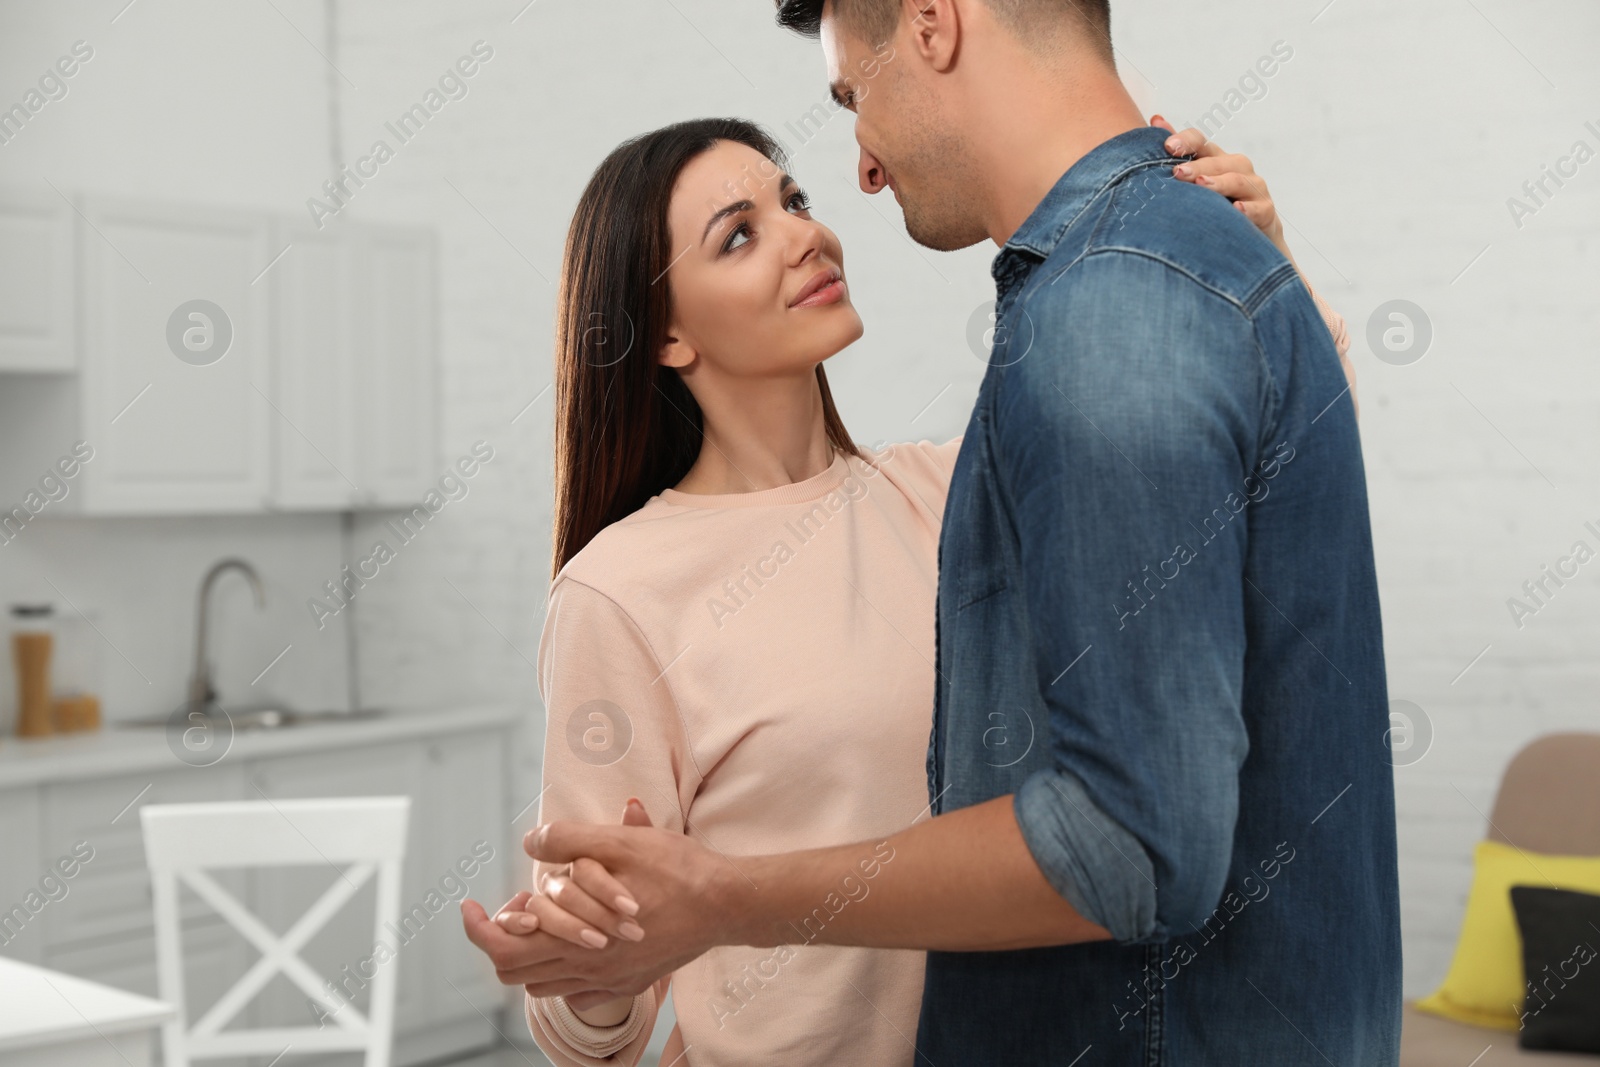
column 797, row 201
column 728, row 245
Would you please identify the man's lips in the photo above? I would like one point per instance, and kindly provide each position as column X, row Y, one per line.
column 822, row 287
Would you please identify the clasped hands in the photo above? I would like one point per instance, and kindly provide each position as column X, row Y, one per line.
column 629, row 904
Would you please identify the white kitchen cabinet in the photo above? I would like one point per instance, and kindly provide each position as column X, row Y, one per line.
column 464, row 829
column 396, row 391
column 22, row 892
column 171, row 432
column 355, row 367
column 459, row 843
column 109, row 897
column 216, row 361
column 314, row 373
column 37, row 305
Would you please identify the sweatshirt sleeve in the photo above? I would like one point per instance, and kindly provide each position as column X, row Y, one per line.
column 612, row 731
column 1341, row 341
column 1334, row 321
column 944, row 456
column 922, row 469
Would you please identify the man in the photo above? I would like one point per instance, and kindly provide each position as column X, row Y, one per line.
column 1164, row 811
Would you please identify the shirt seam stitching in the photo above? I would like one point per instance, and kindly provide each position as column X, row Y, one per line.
column 677, row 707
column 1257, row 297
column 1060, row 231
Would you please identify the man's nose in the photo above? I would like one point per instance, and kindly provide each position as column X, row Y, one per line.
column 872, row 174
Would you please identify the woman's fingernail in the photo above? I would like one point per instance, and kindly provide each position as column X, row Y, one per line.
column 593, row 938
column 1203, row 180
column 1182, row 172
column 627, row 905
column 528, row 922
column 1174, row 145
column 632, row 931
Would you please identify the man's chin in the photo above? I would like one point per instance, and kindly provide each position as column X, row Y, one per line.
column 940, row 238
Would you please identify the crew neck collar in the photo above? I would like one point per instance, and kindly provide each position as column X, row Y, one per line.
column 795, row 492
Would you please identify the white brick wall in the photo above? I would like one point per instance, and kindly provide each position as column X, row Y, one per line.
column 1391, row 139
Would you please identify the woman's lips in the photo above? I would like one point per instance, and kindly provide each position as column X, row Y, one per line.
column 828, row 294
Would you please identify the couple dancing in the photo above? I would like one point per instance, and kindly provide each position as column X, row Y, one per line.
column 1063, row 739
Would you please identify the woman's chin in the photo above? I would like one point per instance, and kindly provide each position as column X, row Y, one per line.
column 849, row 333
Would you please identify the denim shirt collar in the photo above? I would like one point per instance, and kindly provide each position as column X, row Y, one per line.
column 1108, row 161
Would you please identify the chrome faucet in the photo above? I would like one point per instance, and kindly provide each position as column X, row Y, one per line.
column 202, row 693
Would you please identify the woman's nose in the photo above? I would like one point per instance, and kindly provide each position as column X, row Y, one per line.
column 871, row 173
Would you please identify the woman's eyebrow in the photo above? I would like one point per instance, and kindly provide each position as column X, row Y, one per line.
column 784, row 181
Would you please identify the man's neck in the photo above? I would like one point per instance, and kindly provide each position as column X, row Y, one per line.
column 1026, row 164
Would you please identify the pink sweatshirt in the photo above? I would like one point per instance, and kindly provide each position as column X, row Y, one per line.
column 757, row 668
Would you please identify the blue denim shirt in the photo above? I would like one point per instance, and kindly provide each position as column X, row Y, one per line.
column 1158, row 628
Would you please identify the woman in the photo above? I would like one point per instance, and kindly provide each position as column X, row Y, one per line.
column 740, row 631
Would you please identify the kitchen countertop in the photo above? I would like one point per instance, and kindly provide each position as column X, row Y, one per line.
column 122, row 750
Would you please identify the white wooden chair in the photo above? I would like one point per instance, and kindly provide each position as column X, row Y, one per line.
column 182, row 841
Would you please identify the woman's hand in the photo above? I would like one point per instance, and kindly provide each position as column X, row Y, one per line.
column 1235, row 177
column 581, row 925
column 569, row 911
column 584, row 916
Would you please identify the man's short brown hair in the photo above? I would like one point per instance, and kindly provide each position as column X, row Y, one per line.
column 874, row 21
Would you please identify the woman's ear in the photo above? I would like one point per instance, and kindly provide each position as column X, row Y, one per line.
column 675, row 353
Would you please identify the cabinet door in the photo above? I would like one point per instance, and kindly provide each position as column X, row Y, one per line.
column 36, row 287
column 109, row 896
column 174, row 391
column 464, row 835
column 313, row 369
column 344, row 951
column 396, row 387
column 23, row 892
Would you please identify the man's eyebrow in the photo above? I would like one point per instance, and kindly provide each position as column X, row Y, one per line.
column 784, row 181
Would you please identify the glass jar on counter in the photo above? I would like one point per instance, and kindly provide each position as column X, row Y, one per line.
column 33, row 641
column 55, row 660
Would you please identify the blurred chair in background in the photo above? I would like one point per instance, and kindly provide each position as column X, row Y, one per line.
column 183, row 841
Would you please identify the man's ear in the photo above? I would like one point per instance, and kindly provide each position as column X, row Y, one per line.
column 935, row 29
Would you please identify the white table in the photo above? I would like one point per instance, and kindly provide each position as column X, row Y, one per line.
column 48, row 1019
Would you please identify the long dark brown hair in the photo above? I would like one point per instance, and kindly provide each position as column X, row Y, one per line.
column 627, row 427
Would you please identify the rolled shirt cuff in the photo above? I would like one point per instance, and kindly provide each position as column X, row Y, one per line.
column 1088, row 857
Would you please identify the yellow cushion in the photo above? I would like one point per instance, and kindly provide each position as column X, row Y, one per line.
column 1485, row 985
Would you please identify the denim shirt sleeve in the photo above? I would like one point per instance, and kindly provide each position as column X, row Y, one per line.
column 1123, row 439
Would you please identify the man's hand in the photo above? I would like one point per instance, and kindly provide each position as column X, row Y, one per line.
column 677, row 883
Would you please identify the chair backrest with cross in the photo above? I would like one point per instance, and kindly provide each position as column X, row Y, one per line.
column 184, row 841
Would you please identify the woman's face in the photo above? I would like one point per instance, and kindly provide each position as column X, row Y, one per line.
column 737, row 286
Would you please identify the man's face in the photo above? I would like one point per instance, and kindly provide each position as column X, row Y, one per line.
column 908, row 145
